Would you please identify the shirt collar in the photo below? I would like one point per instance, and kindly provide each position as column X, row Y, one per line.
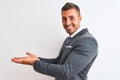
column 80, row 28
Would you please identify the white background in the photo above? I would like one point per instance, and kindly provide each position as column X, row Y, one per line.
column 35, row 26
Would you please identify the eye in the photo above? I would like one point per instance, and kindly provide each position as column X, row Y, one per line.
column 64, row 19
column 72, row 18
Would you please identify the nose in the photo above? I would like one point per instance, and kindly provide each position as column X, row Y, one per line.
column 68, row 22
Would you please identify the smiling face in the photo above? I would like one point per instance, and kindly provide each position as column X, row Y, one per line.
column 71, row 20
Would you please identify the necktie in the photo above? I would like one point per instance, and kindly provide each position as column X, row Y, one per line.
column 67, row 40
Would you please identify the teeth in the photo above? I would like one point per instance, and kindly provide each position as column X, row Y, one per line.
column 69, row 27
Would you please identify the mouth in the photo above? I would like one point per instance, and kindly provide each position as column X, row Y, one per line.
column 70, row 27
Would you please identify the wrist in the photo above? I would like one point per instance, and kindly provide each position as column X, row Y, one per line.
column 37, row 59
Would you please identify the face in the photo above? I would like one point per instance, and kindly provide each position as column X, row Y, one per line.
column 71, row 20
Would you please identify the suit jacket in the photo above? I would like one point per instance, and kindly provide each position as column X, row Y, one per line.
column 74, row 60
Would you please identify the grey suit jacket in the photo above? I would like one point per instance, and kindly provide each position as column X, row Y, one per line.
column 74, row 60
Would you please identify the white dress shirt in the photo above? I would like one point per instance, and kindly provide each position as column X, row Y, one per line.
column 80, row 28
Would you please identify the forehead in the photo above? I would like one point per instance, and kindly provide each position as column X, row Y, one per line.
column 70, row 12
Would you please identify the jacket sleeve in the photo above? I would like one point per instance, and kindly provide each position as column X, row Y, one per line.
column 52, row 60
column 82, row 54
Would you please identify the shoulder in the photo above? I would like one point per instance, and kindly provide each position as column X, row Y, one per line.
column 86, row 39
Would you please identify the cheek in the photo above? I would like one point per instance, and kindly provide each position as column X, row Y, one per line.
column 77, row 23
column 63, row 23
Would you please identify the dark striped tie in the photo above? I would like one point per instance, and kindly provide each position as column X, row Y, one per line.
column 67, row 40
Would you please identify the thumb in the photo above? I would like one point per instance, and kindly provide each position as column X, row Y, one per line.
column 29, row 54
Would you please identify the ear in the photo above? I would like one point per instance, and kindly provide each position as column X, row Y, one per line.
column 80, row 17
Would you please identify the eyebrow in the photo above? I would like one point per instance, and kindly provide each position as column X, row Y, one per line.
column 68, row 16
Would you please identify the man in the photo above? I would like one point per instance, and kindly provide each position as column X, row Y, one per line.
column 76, row 55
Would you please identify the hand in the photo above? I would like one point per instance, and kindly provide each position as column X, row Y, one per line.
column 28, row 60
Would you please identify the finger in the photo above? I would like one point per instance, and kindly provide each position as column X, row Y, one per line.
column 14, row 59
column 17, row 60
column 29, row 54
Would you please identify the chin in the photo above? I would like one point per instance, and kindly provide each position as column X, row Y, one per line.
column 69, row 33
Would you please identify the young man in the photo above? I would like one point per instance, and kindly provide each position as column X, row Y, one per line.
column 76, row 55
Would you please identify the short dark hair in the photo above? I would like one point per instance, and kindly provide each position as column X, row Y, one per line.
column 70, row 5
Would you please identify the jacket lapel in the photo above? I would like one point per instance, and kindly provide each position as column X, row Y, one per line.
column 78, row 35
column 63, row 55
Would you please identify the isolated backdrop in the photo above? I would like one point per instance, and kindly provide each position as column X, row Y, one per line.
column 35, row 26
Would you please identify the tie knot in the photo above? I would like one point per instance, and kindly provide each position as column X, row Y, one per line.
column 67, row 40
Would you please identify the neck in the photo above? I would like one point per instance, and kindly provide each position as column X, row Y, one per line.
column 78, row 30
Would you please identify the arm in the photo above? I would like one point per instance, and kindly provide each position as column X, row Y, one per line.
column 28, row 60
column 53, row 60
column 82, row 54
column 31, row 58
